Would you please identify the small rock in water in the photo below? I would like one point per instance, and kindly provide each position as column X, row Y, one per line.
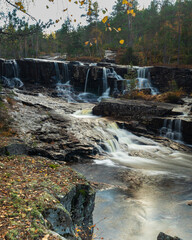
column 189, row 203
column 174, row 147
column 163, row 236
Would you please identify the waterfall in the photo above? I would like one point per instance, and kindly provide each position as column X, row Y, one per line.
column 104, row 78
column 57, row 72
column 144, row 81
column 15, row 69
column 104, row 95
column 86, row 80
column 172, row 129
column 115, row 75
column 10, row 75
column 65, row 72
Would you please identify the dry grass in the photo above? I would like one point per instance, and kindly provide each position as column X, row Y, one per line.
column 10, row 101
column 85, row 59
column 169, row 97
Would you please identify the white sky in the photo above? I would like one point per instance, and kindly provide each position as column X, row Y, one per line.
column 55, row 10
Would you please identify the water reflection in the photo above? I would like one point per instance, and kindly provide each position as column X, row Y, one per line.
column 148, row 186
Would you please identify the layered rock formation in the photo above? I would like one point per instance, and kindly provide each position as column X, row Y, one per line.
column 163, row 78
column 143, row 116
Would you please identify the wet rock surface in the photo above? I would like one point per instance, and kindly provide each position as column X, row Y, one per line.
column 51, row 127
column 132, row 109
column 161, row 78
column 163, row 236
column 146, row 117
column 75, row 209
column 48, row 130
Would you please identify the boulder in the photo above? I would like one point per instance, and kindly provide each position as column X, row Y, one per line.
column 163, row 236
column 132, row 109
column 14, row 148
column 74, row 209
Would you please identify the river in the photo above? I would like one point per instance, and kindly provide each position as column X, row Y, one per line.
column 146, row 187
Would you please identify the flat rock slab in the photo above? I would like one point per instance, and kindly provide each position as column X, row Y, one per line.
column 132, row 108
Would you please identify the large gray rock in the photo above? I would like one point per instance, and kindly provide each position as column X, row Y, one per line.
column 163, row 236
column 74, row 210
column 132, row 109
column 14, row 148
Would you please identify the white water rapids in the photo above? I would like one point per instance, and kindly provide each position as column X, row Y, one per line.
column 148, row 186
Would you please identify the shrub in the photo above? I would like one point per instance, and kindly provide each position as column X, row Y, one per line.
column 171, row 97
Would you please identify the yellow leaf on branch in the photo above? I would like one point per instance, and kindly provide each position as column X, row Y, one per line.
column 82, row 2
column 124, row 2
column 104, row 20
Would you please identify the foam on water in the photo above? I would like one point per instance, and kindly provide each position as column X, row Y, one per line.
column 85, row 113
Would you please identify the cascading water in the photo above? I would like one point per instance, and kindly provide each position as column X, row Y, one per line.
column 65, row 72
column 86, row 80
column 143, row 78
column 15, row 69
column 66, row 92
column 104, row 79
column 172, row 129
column 104, row 95
column 106, row 90
column 57, row 72
column 147, row 185
column 115, row 75
column 10, row 75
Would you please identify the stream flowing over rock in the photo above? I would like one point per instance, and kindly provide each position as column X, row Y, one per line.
column 136, row 174
column 143, row 180
column 148, row 116
column 49, row 73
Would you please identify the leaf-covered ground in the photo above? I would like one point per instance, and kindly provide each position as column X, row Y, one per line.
column 27, row 186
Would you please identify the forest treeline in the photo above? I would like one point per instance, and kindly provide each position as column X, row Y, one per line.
column 159, row 34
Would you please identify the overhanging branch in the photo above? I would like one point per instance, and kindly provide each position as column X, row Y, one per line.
column 13, row 5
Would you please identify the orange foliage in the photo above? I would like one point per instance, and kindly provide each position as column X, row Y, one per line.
column 11, row 101
column 85, row 59
column 169, row 97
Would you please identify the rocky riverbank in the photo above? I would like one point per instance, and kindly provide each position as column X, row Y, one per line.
column 40, row 198
column 51, row 133
column 145, row 117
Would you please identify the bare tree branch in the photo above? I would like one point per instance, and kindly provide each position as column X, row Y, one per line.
column 18, row 34
column 13, row 5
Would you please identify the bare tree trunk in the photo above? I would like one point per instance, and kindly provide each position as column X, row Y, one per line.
column 20, row 49
column 179, row 35
column 25, row 40
column 179, row 43
column 37, row 44
column 130, row 39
